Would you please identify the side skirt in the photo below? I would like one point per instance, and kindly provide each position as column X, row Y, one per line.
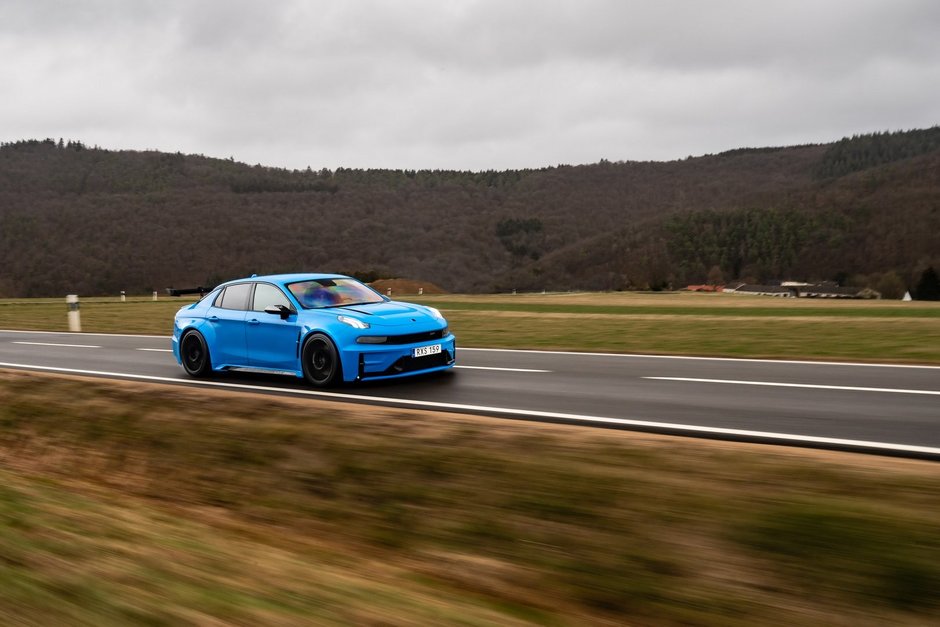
column 292, row 373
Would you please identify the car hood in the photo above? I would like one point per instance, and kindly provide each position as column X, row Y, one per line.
column 388, row 314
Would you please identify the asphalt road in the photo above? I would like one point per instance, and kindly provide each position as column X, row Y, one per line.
column 869, row 408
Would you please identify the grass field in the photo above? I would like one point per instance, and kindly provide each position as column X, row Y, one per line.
column 667, row 323
column 125, row 503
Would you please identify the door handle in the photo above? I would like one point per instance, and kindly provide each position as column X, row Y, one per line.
column 254, row 321
column 213, row 318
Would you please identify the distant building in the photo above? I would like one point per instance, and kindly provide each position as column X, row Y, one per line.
column 793, row 289
column 765, row 290
column 825, row 291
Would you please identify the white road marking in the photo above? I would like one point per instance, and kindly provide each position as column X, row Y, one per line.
column 813, row 386
column 698, row 358
column 155, row 350
column 83, row 333
column 578, row 353
column 504, row 369
column 51, row 344
column 665, row 426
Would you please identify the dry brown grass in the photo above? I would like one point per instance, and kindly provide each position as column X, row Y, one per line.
column 147, row 503
column 680, row 299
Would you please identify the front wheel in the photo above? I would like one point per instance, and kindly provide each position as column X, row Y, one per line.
column 195, row 355
column 321, row 363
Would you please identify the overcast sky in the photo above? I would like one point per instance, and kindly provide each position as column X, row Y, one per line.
column 464, row 84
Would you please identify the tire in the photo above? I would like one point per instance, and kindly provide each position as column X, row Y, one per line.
column 320, row 360
column 195, row 355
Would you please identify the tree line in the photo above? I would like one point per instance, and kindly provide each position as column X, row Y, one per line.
column 861, row 152
column 83, row 219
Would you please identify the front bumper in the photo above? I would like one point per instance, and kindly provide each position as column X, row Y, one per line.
column 391, row 361
column 175, row 345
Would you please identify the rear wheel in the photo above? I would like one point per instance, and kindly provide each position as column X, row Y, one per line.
column 195, row 355
column 321, row 364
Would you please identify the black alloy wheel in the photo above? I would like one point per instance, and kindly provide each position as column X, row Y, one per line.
column 195, row 355
column 321, row 363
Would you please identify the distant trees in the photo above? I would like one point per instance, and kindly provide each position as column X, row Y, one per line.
column 928, row 287
column 261, row 179
column 80, row 219
column 889, row 284
column 716, row 276
column 367, row 275
column 41, row 144
column 861, row 152
column 270, row 184
column 521, row 237
column 761, row 242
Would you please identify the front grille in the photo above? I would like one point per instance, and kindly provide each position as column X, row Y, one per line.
column 412, row 364
column 414, row 338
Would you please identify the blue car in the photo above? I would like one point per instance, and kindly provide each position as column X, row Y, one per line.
column 325, row 328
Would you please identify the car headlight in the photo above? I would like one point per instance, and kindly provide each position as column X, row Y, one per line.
column 353, row 322
column 434, row 312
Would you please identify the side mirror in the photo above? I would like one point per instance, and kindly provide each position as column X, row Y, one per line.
column 279, row 310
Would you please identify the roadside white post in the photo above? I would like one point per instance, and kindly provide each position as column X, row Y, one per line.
column 123, row 296
column 75, row 316
column 420, row 291
column 388, row 292
column 155, row 296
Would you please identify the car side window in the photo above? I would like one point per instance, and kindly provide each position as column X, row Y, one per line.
column 266, row 295
column 210, row 297
column 234, row 296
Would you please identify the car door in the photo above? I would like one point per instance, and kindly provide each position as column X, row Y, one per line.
column 227, row 318
column 272, row 339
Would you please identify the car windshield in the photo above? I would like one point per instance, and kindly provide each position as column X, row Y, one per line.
column 320, row 293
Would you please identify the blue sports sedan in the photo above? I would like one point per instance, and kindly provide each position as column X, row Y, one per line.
column 325, row 328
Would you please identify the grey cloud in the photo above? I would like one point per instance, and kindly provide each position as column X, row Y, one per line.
column 481, row 84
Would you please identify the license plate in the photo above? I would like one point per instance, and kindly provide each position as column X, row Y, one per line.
column 423, row 351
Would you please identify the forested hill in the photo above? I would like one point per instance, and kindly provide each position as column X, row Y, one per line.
column 92, row 221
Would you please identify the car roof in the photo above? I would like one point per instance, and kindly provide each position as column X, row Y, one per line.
column 284, row 279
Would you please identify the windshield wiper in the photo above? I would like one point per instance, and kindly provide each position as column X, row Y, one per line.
column 368, row 302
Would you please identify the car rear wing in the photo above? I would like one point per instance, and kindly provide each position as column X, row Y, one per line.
column 172, row 291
